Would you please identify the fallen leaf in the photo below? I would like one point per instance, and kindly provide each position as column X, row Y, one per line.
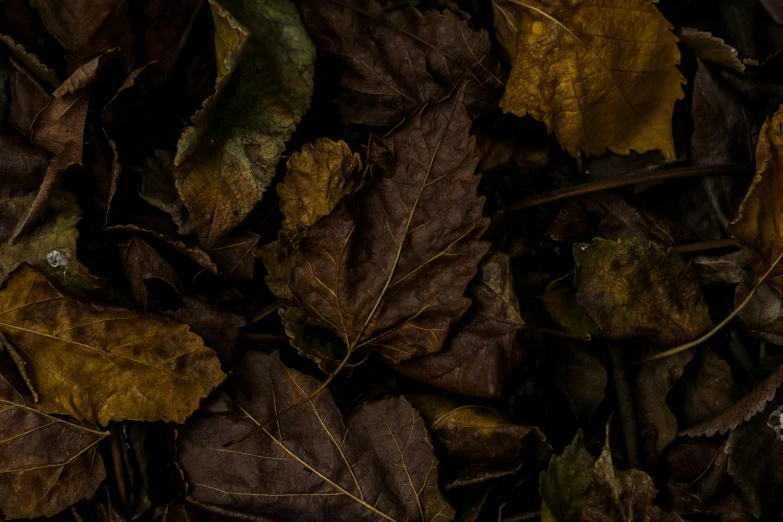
column 142, row 262
column 774, row 8
column 19, row 165
column 411, row 240
column 313, row 342
column 480, row 442
column 485, row 350
column 756, row 227
column 741, row 411
column 599, row 76
column 710, row 48
column 31, row 61
column 104, row 364
column 225, row 161
column 48, row 463
column 710, row 391
column 397, row 59
column 280, row 257
column 158, row 189
column 233, row 254
column 729, row 268
column 565, row 485
column 309, row 464
column 560, row 302
column 317, row 179
column 582, row 378
column 27, row 97
column 632, row 291
column 730, row 508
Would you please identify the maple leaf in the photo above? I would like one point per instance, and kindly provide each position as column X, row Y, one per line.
column 387, row 269
column 48, row 463
column 104, row 364
column 397, row 59
column 309, row 464
column 225, row 162
column 599, row 76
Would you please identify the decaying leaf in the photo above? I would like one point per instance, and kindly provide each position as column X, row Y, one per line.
column 582, row 378
column 48, row 463
column 710, row 48
column 483, row 352
column 102, row 364
column 142, row 262
column 711, row 391
column 565, row 485
column 560, row 302
column 757, row 226
column 311, row 463
column 600, row 76
column 225, row 162
column 397, row 59
column 387, row 269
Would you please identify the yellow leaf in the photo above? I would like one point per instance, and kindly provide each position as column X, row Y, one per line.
column 759, row 222
column 101, row 364
column 599, row 76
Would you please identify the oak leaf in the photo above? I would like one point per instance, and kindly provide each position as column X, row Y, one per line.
column 387, row 269
column 631, row 291
column 600, row 76
column 226, row 161
column 310, row 464
column 102, row 364
column 397, row 59
column 48, row 463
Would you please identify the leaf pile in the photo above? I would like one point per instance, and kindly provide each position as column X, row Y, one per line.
column 391, row 260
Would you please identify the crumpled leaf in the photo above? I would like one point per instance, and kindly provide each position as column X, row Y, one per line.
column 317, row 179
column 485, row 350
column 225, row 162
column 310, row 464
column 48, row 463
column 741, row 411
column 631, row 291
column 710, row 48
column 397, row 59
column 387, row 269
column 757, row 226
column 479, row 441
column 711, row 390
column 600, row 76
column 560, row 302
column 104, row 364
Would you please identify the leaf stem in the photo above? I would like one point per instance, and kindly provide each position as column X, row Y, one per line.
column 720, row 325
column 265, row 312
column 704, row 245
column 631, row 179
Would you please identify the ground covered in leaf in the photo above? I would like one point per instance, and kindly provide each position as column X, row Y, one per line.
column 391, row 260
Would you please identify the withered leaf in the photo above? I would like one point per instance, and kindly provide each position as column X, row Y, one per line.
column 317, row 179
column 280, row 257
column 102, row 364
column 757, row 225
column 313, row 342
column 387, row 269
column 19, row 163
column 741, row 411
column 48, row 463
column 560, row 302
column 565, row 485
column 774, row 8
column 600, row 76
column 479, row 441
column 711, row 390
column 310, row 464
column 710, row 48
column 397, row 59
column 142, row 262
column 31, row 61
column 225, row 162
column 483, row 352
column 27, row 98
column 233, row 254
column 631, row 291
column 582, row 378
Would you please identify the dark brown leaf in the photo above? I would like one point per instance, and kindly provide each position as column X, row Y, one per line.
column 310, row 465
column 710, row 48
column 27, row 98
column 142, row 262
column 233, row 254
column 560, row 302
column 710, row 391
column 582, row 378
column 19, row 165
column 387, row 269
column 397, row 59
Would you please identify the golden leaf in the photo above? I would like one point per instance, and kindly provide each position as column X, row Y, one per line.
column 601, row 77
column 102, row 364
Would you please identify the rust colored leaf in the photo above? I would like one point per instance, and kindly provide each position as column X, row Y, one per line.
column 387, row 269
column 102, row 364
column 311, row 464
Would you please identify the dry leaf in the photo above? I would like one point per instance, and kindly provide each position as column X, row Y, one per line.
column 600, row 76
column 225, row 162
column 31, row 61
column 387, row 269
column 233, row 254
column 28, row 98
column 397, row 59
column 710, row 48
column 565, row 485
column 142, row 262
column 582, row 378
column 280, row 258
column 711, row 390
column 103, row 364
column 560, row 302
column 310, row 464
column 48, row 463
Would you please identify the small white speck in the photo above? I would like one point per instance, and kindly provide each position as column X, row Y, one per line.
column 775, row 421
column 56, row 258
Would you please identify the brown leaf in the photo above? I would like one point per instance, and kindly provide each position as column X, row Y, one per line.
column 710, row 48
column 482, row 353
column 397, row 59
column 631, row 291
column 560, row 302
column 158, row 189
column 233, row 254
column 742, row 410
column 19, row 164
column 317, row 179
column 601, row 76
column 142, row 262
column 582, row 378
column 710, row 391
column 48, row 463
column 104, row 364
column 387, row 269
column 480, row 442
column 27, row 98
column 280, row 258
column 774, row 8
column 313, row 342
column 309, row 464
column 730, row 508
column 31, row 61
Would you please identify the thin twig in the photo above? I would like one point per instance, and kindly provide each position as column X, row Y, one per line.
column 705, row 245
column 522, row 517
column 631, row 179
column 265, row 312
column 624, row 394
column 265, row 338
